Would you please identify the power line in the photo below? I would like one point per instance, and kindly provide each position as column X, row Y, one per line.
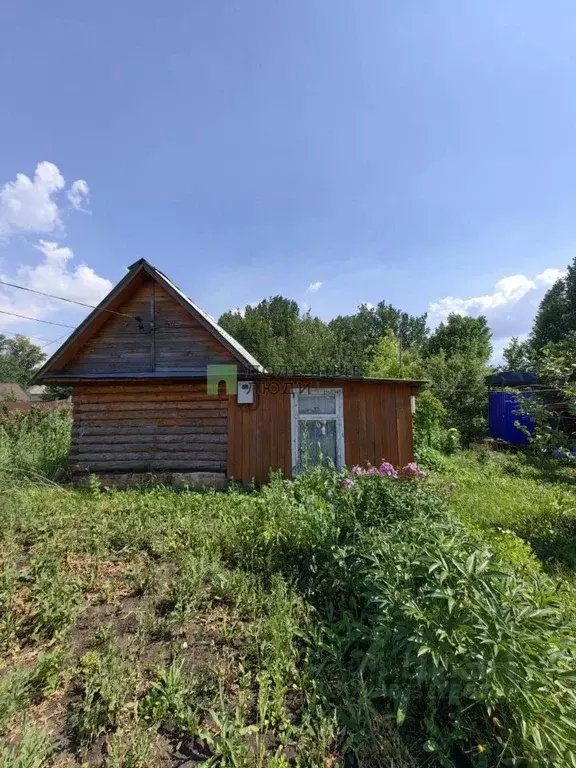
column 62, row 298
column 54, row 341
column 19, row 333
column 36, row 319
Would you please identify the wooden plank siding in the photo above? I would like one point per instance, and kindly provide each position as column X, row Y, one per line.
column 166, row 339
column 148, row 426
column 377, row 425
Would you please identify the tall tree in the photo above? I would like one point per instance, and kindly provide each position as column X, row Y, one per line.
column 19, row 358
column 357, row 335
column 518, row 355
column 461, row 335
column 459, row 382
column 552, row 321
column 280, row 337
column 387, row 362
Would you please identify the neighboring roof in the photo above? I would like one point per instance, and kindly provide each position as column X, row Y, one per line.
column 37, row 389
column 12, row 392
column 511, row 379
column 241, row 354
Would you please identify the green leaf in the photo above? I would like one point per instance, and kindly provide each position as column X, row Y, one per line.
column 402, row 707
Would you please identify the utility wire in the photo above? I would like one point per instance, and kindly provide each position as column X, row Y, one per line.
column 19, row 333
column 54, row 341
column 61, row 298
column 36, row 319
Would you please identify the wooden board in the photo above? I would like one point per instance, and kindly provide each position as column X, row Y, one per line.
column 153, row 332
column 377, row 426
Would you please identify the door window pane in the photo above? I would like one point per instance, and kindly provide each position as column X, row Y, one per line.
column 317, row 441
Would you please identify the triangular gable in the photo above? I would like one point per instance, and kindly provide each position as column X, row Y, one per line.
column 135, row 331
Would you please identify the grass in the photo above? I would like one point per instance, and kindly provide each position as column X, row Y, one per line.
column 500, row 493
column 34, row 445
column 390, row 623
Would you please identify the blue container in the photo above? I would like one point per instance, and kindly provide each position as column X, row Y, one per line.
column 502, row 407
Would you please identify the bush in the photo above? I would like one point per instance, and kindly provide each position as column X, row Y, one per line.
column 483, row 655
column 420, row 616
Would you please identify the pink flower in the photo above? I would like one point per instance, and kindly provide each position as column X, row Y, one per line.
column 348, row 482
column 388, row 470
column 413, row 470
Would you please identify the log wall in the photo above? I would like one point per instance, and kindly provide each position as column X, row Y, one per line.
column 148, row 426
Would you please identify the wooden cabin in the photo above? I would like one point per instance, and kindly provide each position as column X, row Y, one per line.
column 159, row 387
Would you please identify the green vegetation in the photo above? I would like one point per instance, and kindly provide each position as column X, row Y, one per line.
column 367, row 619
column 508, row 496
column 19, row 358
column 34, row 444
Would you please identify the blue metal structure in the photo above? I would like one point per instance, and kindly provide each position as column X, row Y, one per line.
column 502, row 415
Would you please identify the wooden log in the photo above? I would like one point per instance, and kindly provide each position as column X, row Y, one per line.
column 213, row 403
column 138, row 430
column 191, row 457
column 148, row 418
column 139, row 387
column 164, row 396
column 198, row 439
column 143, row 466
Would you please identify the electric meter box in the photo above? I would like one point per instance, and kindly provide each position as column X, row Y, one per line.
column 245, row 392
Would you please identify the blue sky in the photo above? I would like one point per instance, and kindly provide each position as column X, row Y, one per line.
column 422, row 153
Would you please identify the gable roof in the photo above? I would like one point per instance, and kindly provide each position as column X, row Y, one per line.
column 95, row 319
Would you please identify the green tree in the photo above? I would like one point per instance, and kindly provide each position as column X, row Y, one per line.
column 386, row 361
column 19, row 359
column 458, row 381
column 280, row 337
column 357, row 335
column 518, row 355
column 461, row 335
column 551, row 322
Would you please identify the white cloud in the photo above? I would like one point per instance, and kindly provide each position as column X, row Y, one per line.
column 507, row 292
column 314, row 287
column 78, row 194
column 54, row 275
column 368, row 305
column 31, row 205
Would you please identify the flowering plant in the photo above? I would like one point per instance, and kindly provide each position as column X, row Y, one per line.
column 386, row 469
